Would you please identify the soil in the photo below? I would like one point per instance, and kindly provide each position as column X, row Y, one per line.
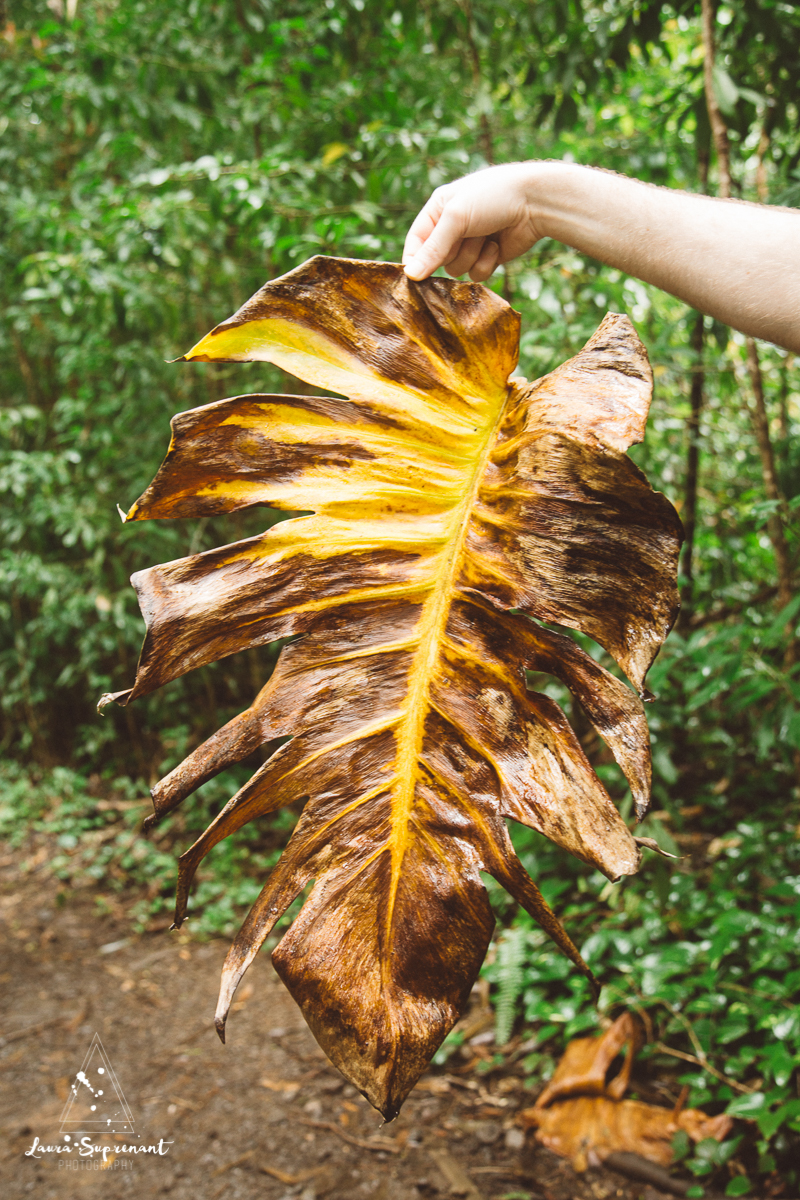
column 264, row 1116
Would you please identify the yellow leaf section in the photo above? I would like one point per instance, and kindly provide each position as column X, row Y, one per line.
column 321, row 362
column 286, row 427
column 455, row 421
column 433, row 625
column 400, row 471
column 326, row 538
column 377, row 468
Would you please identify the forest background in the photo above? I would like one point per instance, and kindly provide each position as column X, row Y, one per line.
column 158, row 163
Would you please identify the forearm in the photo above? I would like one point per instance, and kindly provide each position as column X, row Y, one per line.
column 737, row 262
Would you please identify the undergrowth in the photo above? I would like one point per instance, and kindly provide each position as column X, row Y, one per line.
column 706, row 949
column 89, row 833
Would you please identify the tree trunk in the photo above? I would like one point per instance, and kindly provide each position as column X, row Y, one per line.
column 696, row 396
column 788, row 363
column 775, row 525
column 719, row 130
column 487, row 139
column 486, row 129
column 689, row 514
column 783, row 410
column 758, row 412
column 775, row 522
column 762, row 185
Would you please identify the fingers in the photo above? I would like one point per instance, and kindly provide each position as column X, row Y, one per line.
column 475, row 256
column 486, row 262
column 467, row 254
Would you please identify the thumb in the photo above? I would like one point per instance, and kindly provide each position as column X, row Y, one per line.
column 439, row 248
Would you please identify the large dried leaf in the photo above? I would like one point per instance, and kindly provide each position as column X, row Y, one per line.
column 582, row 1115
column 443, row 498
column 588, row 1129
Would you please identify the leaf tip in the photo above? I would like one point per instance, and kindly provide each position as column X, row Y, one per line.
column 120, row 698
column 223, row 1007
column 652, row 844
column 641, row 805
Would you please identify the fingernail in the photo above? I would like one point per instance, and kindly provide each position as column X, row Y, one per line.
column 413, row 269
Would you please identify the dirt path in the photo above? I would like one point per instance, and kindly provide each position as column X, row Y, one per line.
column 265, row 1116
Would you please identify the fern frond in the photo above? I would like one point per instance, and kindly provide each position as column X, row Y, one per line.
column 511, row 955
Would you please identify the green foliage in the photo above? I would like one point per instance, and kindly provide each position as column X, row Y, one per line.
column 708, row 956
column 95, row 827
column 157, row 164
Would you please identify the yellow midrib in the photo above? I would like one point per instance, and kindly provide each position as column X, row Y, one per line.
column 433, row 622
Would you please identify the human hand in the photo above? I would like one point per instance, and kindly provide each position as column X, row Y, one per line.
column 473, row 224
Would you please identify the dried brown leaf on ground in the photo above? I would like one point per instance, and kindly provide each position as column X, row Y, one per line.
column 453, row 511
column 582, row 1115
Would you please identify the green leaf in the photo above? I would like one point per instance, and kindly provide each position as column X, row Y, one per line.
column 725, row 90
column 770, row 1122
column 764, row 509
column 680, row 1145
column 732, row 1029
column 781, row 1064
column 754, row 97
column 738, row 1186
column 665, row 767
column 749, row 1105
column 708, row 1150
column 782, row 619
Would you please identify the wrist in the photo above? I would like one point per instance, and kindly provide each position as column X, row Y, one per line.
column 557, row 196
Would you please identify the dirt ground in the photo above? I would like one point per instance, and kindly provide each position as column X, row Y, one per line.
column 264, row 1116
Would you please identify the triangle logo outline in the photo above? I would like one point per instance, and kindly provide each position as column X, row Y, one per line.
column 122, row 1120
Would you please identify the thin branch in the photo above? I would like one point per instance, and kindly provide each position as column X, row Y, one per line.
column 724, row 611
column 706, row 1065
column 380, row 1145
column 699, row 1058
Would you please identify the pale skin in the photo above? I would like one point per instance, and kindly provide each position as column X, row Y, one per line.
column 735, row 261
